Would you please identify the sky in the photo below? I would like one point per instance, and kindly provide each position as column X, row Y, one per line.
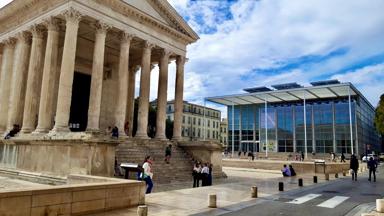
column 249, row 43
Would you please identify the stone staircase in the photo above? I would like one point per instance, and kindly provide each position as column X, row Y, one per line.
column 179, row 169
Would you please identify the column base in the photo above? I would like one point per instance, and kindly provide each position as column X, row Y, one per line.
column 161, row 138
column 177, row 138
column 41, row 131
column 26, row 130
column 142, row 136
column 59, row 129
column 93, row 131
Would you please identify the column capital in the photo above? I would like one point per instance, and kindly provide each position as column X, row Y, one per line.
column 126, row 37
column 72, row 15
column 52, row 24
column 10, row 42
column 180, row 60
column 23, row 37
column 148, row 45
column 166, row 53
column 101, row 27
column 37, row 31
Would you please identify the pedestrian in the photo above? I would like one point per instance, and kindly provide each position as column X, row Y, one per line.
column 209, row 180
column 204, row 175
column 115, row 132
column 196, row 174
column 293, row 173
column 354, row 166
column 251, row 156
column 13, row 132
column 285, row 171
column 147, row 174
column 302, row 156
column 168, row 153
column 239, row 154
column 372, row 165
column 332, row 157
column 342, row 157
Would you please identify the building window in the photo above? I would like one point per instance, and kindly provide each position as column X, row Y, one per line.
column 198, row 121
column 189, row 119
column 198, row 132
column 183, row 119
column 194, row 120
column 169, row 108
column 209, row 123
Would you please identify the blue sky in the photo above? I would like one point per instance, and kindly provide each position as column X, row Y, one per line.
column 248, row 43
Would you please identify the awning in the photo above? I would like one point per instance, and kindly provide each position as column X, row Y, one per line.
column 288, row 95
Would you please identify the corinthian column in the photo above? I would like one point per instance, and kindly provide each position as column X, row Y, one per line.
column 123, row 82
column 131, row 99
column 19, row 77
column 50, row 75
column 142, row 120
column 97, row 78
column 162, row 96
column 5, row 82
column 64, row 97
column 35, row 71
column 180, row 61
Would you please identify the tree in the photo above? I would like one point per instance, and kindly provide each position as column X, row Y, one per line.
column 379, row 115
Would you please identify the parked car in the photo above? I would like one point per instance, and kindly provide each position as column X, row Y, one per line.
column 366, row 157
column 381, row 157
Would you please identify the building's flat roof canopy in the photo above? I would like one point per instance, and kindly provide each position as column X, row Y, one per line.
column 340, row 90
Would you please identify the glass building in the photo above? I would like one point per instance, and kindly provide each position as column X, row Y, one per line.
column 328, row 116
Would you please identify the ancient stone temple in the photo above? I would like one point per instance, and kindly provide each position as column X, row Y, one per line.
column 68, row 72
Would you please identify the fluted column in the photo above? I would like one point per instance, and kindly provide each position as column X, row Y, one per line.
column 179, row 89
column 19, row 77
column 5, row 82
column 97, row 78
column 131, row 99
column 123, row 83
column 35, row 72
column 50, row 75
column 142, row 120
column 64, row 97
column 162, row 96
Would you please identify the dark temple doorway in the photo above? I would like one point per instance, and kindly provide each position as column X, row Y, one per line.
column 80, row 101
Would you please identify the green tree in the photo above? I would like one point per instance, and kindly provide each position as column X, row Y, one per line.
column 379, row 115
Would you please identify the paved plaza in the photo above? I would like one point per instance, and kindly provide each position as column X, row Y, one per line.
column 233, row 193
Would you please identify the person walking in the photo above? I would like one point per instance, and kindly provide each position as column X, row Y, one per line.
column 209, row 179
column 354, row 166
column 196, row 174
column 147, row 174
column 372, row 165
column 342, row 157
column 168, row 153
column 302, row 156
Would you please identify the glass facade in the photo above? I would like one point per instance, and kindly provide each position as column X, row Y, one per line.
column 280, row 126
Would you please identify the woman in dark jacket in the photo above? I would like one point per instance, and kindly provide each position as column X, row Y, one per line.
column 354, row 165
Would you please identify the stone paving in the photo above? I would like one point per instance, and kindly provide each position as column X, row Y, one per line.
column 232, row 193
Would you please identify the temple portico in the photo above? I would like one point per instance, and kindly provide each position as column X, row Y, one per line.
column 72, row 67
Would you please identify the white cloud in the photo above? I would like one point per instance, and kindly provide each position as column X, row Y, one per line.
column 266, row 34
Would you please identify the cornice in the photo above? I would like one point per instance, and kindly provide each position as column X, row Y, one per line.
column 127, row 10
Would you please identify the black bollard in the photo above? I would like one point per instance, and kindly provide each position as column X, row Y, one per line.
column 300, row 182
column 314, row 179
column 281, row 186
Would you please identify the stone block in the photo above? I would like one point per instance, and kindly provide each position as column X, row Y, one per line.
column 62, row 209
column 85, row 195
column 88, row 206
column 51, row 199
column 19, row 203
column 119, row 202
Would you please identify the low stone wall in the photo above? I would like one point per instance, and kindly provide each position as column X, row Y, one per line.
column 74, row 199
column 60, row 157
column 300, row 167
column 206, row 151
